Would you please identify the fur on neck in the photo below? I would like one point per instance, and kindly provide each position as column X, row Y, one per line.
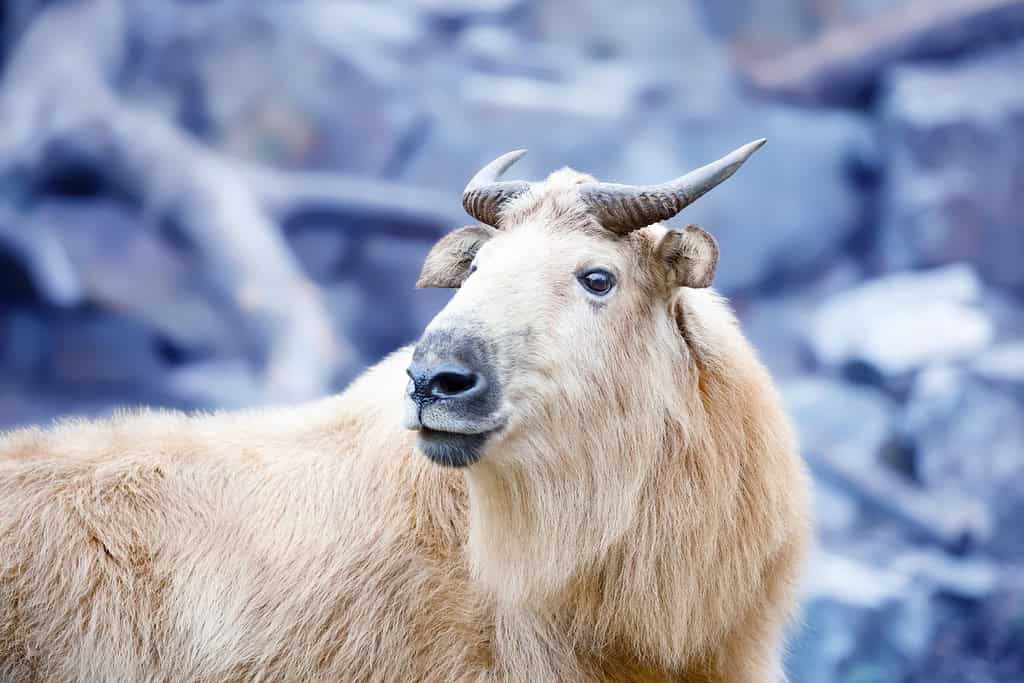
column 652, row 531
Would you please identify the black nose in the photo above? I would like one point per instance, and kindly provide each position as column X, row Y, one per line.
column 443, row 382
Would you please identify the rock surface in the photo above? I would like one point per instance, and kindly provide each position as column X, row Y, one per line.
column 955, row 165
column 900, row 323
column 969, row 438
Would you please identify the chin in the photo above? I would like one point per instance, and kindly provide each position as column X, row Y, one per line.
column 451, row 449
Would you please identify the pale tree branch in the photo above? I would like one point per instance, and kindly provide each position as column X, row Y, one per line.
column 57, row 100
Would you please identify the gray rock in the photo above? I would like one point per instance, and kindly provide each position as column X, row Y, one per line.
column 881, row 620
column 25, row 342
column 859, row 622
column 836, row 513
column 371, row 26
column 845, row 422
column 775, row 323
column 492, row 48
column 322, row 249
column 485, row 115
column 896, row 324
column 103, row 351
column 216, row 383
column 124, row 265
column 465, row 10
column 36, row 402
column 774, row 326
column 300, row 84
column 955, row 156
column 971, row 578
column 664, row 35
column 44, row 258
column 766, row 26
column 1002, row 366
column 845, row 431
column 969, row 440
column 377, row 303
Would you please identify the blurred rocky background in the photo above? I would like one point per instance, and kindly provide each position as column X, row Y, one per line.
column 223, row 203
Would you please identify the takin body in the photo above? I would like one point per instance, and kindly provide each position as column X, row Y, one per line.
column 588, row 477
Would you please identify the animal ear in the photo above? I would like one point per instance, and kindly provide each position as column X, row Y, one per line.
column 447, row 264
column 688, row 256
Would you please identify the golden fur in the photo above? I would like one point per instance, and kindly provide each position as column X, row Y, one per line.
column 642, row 517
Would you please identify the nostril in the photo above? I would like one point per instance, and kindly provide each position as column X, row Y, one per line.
column 452, row 382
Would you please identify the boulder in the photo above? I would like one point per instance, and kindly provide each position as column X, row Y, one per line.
column 35, row 263
column 103, row 350
column 662, row 34
column 38, row 403
column 859, row 622
column 382, row 277
column 955, row 159
column 125, row 264
column 455, row 12
column 881, row 620
column 484, row 115
column 775, row 322
column 968, row 440
column 847, row 433
column 888, row 327
column 310, row 85
column 978, row 642
column 1002, row 366
column 323, row 248
column 25, row 342
column 840, row 421
column 217, row 383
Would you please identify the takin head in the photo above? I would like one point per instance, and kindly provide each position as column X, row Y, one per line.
column 568, row 314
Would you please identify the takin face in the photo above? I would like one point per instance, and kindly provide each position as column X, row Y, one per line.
column 567, row 310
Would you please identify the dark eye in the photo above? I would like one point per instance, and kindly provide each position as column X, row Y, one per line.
column 597, row 281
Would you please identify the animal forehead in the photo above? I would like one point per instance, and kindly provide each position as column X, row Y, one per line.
column 536, row 252
column 555, row 200
column 551, row 221
column 539, row 242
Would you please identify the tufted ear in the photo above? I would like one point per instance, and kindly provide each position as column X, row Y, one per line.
column 447, row 264
column 689, row 257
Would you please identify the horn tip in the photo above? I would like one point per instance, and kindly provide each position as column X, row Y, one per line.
column 753, row 146
column 494, row 170
column 746, row 151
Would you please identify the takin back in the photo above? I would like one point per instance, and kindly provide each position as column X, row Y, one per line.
column 581, row 472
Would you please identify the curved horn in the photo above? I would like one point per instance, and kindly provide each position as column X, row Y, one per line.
column 624, row 208
column 484, row 195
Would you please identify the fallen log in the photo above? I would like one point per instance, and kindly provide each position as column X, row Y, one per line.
column 843, row 65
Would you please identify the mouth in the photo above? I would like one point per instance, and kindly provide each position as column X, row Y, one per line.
column 452, row 449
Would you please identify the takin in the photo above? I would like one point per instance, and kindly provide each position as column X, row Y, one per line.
column 581, row 472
